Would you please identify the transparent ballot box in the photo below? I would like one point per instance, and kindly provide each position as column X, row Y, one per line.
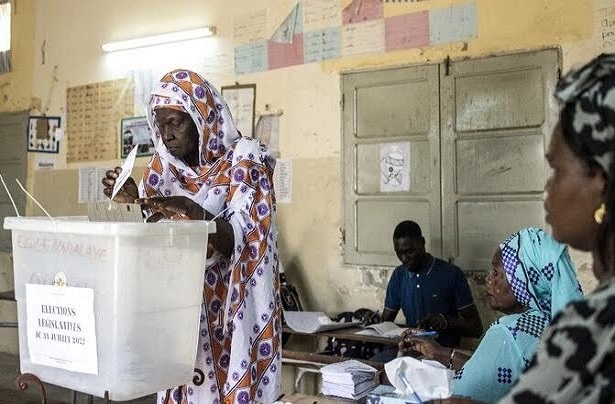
column 108, row 306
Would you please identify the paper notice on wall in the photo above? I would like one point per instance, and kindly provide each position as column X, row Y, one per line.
column 604, row 27
column 283, row 180
column 61, row 327
column 268, row 132
column 90, row 184
column 452, row 24
column 362, row 38
column 321, row 14
column 395, row 167
column 45, row 162
column 250, row 27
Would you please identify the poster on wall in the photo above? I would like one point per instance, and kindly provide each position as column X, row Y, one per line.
column 395, row 167
column 241, row 100
column 604, row 27
column 135, row 132
column 44, row 134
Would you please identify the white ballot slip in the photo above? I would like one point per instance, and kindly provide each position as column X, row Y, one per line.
column 126, row 170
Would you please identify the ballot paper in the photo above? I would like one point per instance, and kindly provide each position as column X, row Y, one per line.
column 126, row 170
column 384, row 329
column 349, row 379
column 309, row 322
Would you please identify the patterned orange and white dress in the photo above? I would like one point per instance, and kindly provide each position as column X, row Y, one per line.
column 239, row 352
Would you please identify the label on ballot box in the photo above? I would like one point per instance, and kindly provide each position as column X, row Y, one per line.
column 61, row 327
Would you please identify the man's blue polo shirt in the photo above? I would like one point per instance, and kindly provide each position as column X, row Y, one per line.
column 441, row 287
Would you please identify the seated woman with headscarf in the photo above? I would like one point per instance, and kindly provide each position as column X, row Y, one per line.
column 532, row 278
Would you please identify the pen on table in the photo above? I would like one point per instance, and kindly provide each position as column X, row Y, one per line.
column 425, row 334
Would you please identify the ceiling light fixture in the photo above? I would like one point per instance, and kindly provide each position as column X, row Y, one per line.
column 160, row 39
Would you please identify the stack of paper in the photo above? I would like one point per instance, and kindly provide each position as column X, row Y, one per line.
column 313, row 321
column 349, row 379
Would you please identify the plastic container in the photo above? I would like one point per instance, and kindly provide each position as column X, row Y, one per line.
column 147, row 280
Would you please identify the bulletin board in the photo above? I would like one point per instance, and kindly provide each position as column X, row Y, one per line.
column 94, row 112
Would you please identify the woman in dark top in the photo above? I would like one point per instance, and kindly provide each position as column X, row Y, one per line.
column 575, row 362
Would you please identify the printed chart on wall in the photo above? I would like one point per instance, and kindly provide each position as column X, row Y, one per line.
column 94, row 112
column 604, row 26
column 283, row 180
column 318, row 30
column 90, row 184
column 241, row 100
column 395, row 167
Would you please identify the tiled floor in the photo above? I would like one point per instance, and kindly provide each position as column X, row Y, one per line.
column 9, row 370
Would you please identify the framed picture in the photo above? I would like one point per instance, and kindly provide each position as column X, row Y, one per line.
column 135, row 131
column 44, row 134
column 241, row 99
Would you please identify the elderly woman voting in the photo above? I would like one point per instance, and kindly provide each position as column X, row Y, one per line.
column 575, row 361
column 532, row 279
column 203, row 169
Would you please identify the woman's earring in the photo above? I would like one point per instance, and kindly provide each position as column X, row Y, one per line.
column 599, row 213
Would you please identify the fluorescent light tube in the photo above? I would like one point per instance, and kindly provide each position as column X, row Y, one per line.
column 159, row 39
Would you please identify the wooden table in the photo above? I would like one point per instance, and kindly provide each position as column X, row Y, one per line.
column 297, row 398
column 347, row 333
column 311, row 362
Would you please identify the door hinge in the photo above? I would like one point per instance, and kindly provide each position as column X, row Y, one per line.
column 447, row 65
column 343, row 101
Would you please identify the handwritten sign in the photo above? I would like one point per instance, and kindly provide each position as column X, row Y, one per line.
column 61, row 328
column 605, row 24
column 59, row 247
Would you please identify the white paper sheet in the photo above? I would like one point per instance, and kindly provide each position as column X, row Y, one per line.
column 604, row 25
column 395, row 167
column 283, row 180
column 384, row 329
column 309, row 322
column 126, row 170
column 240, row 101
column 61, row 327
column 90, row 184
column 268, row 132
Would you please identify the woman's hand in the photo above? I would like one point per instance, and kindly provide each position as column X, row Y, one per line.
column 127, row 194
column 429, row 348
column 170, row 206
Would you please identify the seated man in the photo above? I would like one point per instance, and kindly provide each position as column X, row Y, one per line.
column 433, row 294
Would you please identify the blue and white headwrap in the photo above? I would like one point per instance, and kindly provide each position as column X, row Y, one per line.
column 539, row 270
column 543, row 279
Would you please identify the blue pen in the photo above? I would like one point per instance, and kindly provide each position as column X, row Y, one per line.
column 424, row 334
